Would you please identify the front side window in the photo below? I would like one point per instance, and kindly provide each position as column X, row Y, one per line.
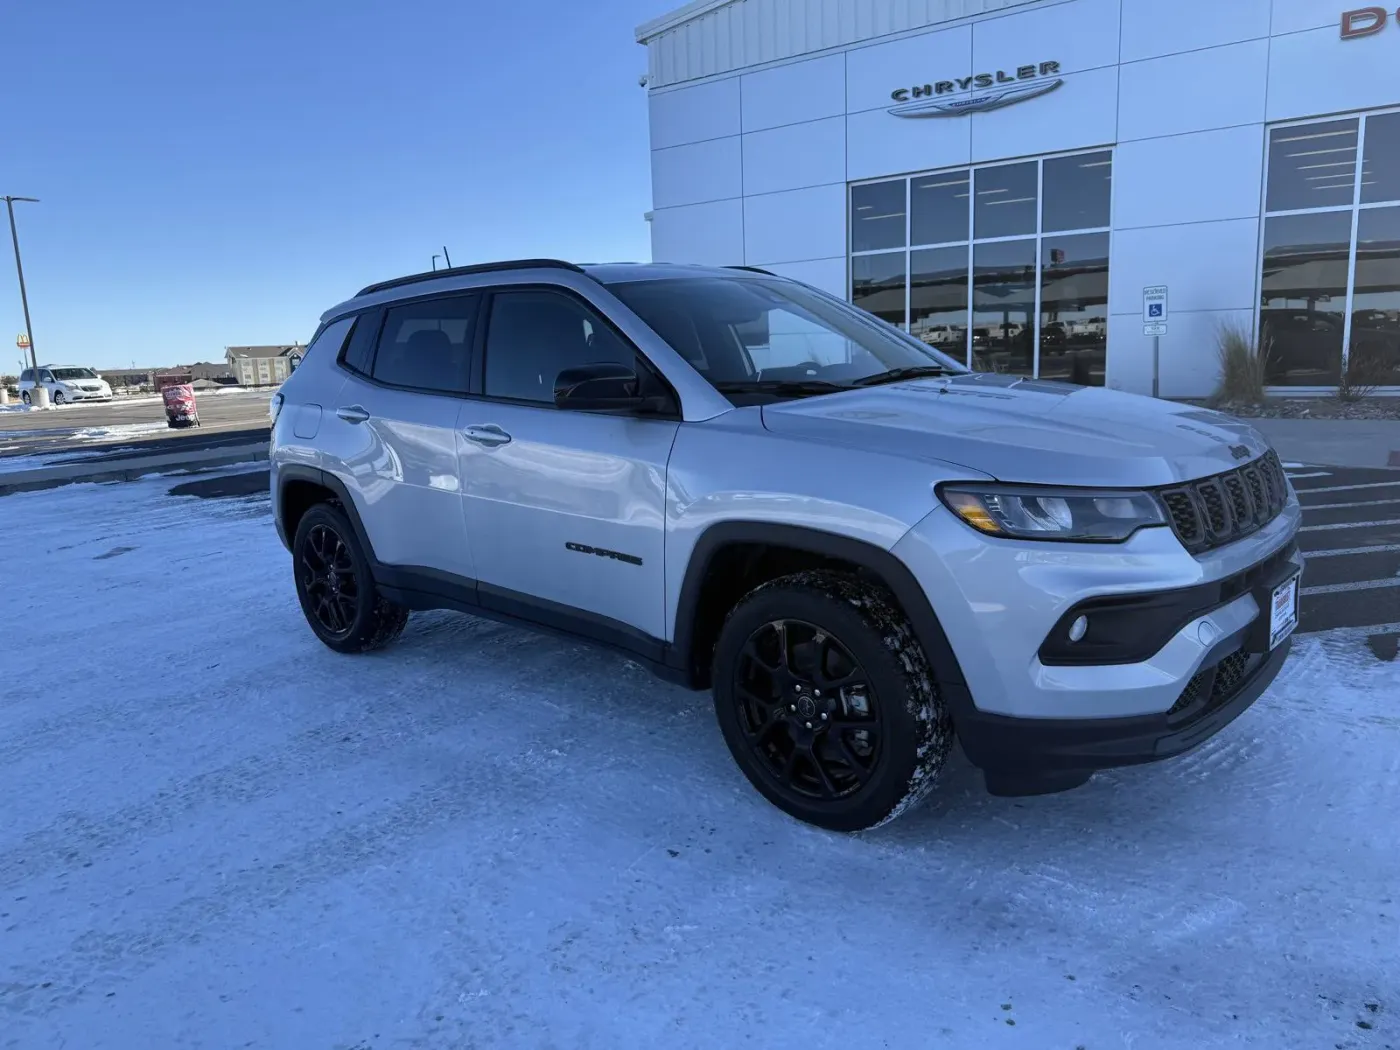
column 1004, row 266
column 767, row 338
column 533, row 335
column 426, row 345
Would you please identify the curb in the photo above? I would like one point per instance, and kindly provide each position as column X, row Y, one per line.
column 128, row 469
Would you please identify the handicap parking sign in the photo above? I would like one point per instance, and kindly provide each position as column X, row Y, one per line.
column 1154, row 304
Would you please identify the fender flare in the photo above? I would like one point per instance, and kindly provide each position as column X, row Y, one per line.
column 877, row 561
column 315, row 476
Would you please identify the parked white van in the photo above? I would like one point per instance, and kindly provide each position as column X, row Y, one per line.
column 65, row 384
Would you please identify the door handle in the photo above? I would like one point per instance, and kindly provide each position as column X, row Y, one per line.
column 489, row 435
column 352, row 414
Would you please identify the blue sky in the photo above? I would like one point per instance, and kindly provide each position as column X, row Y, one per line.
column 218, row 174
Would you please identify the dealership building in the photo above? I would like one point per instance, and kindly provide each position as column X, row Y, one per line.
column 1064, row 188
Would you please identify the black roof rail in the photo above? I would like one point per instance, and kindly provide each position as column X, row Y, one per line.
column 461, row 271
column 753, row 269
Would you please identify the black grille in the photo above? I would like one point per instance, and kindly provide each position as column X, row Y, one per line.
column 1215, row 686
column 1214, row 511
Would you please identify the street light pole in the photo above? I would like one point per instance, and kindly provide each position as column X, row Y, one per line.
column 39, row 397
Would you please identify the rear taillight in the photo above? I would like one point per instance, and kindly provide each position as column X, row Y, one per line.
column 274, row 408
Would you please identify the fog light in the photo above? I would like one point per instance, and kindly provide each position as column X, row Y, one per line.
column 1079, row 629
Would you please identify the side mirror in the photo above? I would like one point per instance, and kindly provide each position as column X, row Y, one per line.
column 599, row 387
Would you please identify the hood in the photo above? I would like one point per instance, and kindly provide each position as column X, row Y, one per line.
column 1025, row 430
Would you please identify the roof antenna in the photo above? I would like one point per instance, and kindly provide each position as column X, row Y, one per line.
column 447, row 257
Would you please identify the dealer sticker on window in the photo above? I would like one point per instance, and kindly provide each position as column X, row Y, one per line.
column 1283, row 612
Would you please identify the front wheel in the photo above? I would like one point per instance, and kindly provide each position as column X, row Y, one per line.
column 827, row 701
column 335, row 588
column 58, row 397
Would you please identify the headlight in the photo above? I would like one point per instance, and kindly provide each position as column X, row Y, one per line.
column 1027, row 512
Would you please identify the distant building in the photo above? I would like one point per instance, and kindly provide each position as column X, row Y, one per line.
column 263, row 365
column 207, row 370
column 130, row 378
column 127, row 378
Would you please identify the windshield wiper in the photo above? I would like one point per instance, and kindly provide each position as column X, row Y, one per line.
column 798, row 387
column 899, row 375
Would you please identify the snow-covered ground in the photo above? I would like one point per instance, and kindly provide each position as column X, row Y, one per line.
column 218, row 834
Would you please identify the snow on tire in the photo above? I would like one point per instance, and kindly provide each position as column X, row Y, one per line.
column 867, row 752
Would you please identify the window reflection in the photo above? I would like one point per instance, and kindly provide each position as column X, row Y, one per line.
column 1304, row 299
column 1074, row 308
column 1006, row 200
column 938, row 298
column 877, row 285
column 1375, row 316
column 1313, row 166
column 1380, row 180
column 1078, row 192
column 1003, row 306
column 877, row 216
column 938, row 207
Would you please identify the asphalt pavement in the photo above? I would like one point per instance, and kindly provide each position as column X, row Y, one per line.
column 134, row 425
column 1350, row 537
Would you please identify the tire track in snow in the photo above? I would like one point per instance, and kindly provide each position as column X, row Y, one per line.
column 36, row 988
column 390, row 723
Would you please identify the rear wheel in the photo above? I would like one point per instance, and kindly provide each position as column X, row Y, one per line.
column 24, row 396
column 827, row 701
column 334, row 585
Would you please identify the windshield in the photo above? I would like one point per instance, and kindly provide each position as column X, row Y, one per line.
column 774, row 337
column 66, row 374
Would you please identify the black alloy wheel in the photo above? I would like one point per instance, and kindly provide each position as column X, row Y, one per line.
column 336, row 587
column 828, row 702
column 329, row 580
column 808, row 710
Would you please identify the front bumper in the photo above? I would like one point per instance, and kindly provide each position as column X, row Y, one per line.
column 1021, row 719
column 1024, row 756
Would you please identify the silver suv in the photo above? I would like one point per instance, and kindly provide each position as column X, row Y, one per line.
column 754, row 487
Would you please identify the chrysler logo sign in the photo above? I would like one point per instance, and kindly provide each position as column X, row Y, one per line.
column 976, row 94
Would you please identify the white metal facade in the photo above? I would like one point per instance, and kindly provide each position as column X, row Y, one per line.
column 753, row 160
column 717, row 36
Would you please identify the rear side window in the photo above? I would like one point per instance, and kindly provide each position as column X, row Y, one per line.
column 359, row 352
column 426, row 345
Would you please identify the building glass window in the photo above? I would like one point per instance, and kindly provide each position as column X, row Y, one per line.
column 878, row 284
column 938, row 208
column 1006, row 201
column 1004, row 266
column 938, row 298
column 878, row 215
column 1330, row 264
column 1074, row 307
column 1375, row 308
column 1381, row 183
